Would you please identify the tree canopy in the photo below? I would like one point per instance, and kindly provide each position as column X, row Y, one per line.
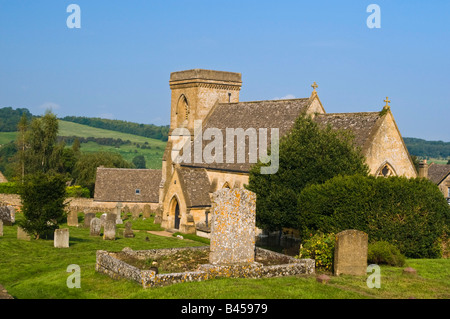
column 309, row 154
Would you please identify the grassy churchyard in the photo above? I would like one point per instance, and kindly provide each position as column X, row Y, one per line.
column 35, row 269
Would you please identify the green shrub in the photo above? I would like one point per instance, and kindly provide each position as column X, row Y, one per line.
column 319, row 247
column 412, row 214
column 9, row 188
column 43, row 198
column 382, row 252
column 78, row 191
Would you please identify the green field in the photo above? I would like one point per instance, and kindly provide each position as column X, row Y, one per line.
column 153, row 156
column 32, row 270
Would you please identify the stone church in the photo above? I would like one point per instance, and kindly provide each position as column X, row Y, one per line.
column 210, row 99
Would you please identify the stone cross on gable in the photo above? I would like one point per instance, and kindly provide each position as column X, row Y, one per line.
column 387, row 103
column 314, row 86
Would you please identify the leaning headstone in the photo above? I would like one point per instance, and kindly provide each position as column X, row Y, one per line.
column 96, row 227
column 109, row 230
column 61, row 238
column 72, row 218
column 1, row 227
column 350, row 253
column 22, row 234
column 6, row 215
column 128, row 232
column 87, row 219
column 146, row 211
column 232, row 237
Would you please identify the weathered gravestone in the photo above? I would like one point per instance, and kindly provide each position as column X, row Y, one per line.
column 72, row 218
column 128, row 232
column 232, row 226
column 87, row 219
column 350, row 253
column 96, row 227
column 7, row 215
column 118, row 211
column 135, row 211
column 1, row 227
column 61, row 238
column 109, row 229
column 103, row 219
column 158, row 216
column 22, row 234
column 147, row 211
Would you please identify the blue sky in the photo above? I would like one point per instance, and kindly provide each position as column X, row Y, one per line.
column 117, row 65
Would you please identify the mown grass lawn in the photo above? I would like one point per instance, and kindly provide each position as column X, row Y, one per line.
column 30, row 270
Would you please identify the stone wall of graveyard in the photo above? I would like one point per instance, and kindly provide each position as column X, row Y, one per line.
column 78, row 204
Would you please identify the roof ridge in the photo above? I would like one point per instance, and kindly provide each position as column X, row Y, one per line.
column 259, row 101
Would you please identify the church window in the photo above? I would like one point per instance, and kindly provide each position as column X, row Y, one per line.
column 385, row 171
column 138, row 191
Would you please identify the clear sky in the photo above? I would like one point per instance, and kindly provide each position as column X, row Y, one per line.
column 117, row 65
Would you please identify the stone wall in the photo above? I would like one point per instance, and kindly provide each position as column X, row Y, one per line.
column 77, row 204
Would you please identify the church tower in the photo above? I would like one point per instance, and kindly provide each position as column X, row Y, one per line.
column 194, row 93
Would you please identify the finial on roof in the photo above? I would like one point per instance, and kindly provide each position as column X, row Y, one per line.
column 387, row 106
column 314, row 86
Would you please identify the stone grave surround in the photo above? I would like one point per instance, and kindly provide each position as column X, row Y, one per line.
column 350, row 253
column 232, row 226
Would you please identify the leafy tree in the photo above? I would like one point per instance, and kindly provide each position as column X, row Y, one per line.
column 309, row 155
column 42, row 153
column 139, row 161
column 43, row 197
column 86, row 167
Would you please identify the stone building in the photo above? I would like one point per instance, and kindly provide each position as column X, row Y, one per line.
column 208, row 101
column 438, row 174
column 128, row 186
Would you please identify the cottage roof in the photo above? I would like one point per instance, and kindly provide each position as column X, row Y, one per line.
column 438, row 172
column 120, row 185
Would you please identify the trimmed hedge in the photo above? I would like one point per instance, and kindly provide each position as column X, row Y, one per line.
column 412, row 214
column 72, row 191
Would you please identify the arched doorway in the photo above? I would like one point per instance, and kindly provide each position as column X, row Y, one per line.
column 175, row 212
column 177, row 215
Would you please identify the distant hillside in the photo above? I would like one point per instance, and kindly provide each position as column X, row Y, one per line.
column 428, row 149
column 9, row 118
column 146, row 130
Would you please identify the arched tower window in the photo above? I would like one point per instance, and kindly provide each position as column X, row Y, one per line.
column 182, row 111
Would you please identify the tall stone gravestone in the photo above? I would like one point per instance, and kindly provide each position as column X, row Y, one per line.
column 72, row 218
column 1, row 227
column 232, row 238
column 147, row 210
column 350, row 253
column 135, row 211
column 109, row 229
column 61, row 238
column 87, row 219
column 118, row 211
column 96, row 227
